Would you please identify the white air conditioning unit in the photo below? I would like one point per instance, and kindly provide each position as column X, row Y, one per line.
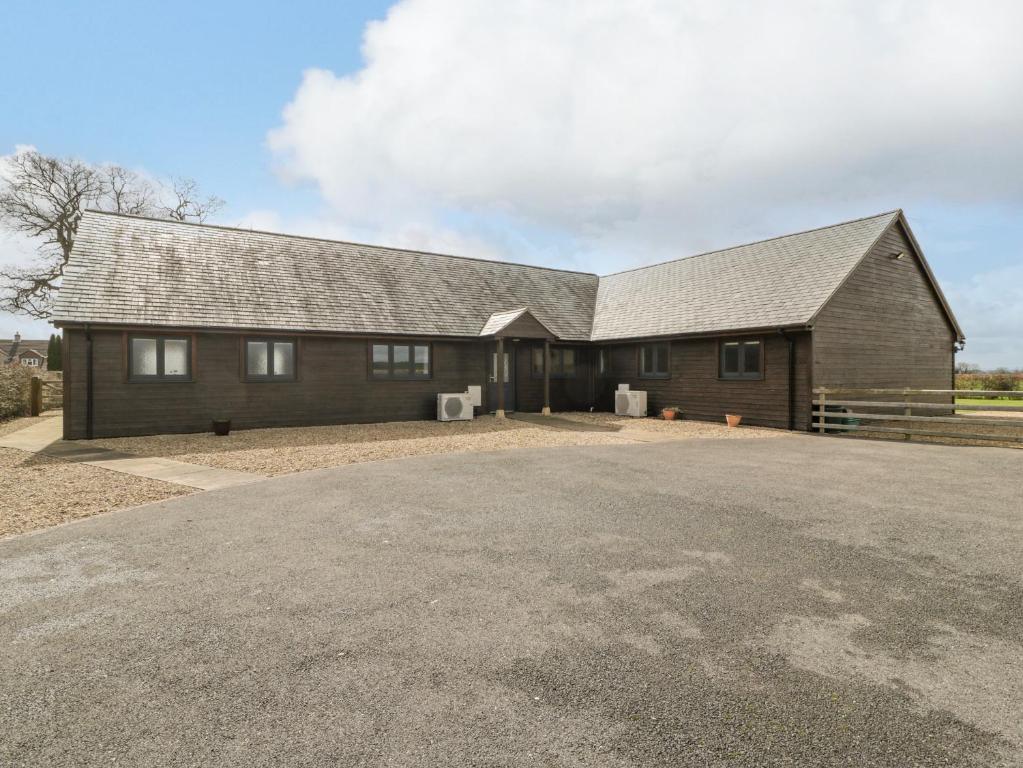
column 454, row 407
column 630, row 403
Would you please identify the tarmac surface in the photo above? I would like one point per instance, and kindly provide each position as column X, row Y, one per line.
column 807, row 601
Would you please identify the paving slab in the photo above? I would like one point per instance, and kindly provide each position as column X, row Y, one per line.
column 555, row 422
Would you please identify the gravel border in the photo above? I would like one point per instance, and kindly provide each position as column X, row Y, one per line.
column 41, row 491
column 293, row 449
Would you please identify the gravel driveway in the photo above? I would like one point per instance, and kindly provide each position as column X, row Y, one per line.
column 805, row 601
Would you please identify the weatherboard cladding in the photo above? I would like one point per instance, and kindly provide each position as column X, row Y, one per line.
column 137, row 271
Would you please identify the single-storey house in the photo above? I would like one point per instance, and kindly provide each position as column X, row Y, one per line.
column 168, row 325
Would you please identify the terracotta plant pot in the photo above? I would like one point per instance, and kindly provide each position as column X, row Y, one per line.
column 733, row 419
column 221, row 427
column 668, row 414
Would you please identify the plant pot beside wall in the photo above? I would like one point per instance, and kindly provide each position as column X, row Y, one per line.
column 732, row 419
column 221, row 427
column 670, row 414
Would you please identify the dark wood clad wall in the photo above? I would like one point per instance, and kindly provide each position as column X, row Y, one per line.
column 572, row 394
column 885, row 327
column 333, row 387
column 694, row 385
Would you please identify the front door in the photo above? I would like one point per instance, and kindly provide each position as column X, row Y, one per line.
column 509, row 378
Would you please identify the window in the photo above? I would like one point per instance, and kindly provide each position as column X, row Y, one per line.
column 562, row 363
column 741, row 360
column 31, row 362
column 653, row 361
column 159, row 358
column 400, row 361
column 603, row 362
column 269, row 360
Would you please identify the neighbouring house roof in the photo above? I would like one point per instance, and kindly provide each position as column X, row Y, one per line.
column 127, row 270
column 9, row 349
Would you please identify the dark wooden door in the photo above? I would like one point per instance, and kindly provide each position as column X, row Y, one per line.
column 509, row 377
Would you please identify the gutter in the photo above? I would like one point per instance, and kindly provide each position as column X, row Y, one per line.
column 791, row 388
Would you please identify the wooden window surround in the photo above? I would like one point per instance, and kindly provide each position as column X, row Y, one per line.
column 655, row 360
column 151, row 357
column 741, row 359
column 269, row 359
column 400, row 361
column 564, row 363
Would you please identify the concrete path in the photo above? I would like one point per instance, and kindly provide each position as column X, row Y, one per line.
column 745, row 603
column 45, row 437
column 556, row 422
column 569, row 425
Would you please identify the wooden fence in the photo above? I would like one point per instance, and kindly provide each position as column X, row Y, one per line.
column 932, row 413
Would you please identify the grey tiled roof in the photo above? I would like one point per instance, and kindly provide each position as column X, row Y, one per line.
column 777, row 282
column 135, row 271
column 129, row 270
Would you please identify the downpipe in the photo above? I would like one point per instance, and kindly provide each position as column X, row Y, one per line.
column 792, row 377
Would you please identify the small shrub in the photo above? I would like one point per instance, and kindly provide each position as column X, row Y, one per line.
column 14, row 391
column 999, row 381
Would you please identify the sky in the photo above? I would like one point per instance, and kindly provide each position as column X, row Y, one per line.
column 593, row 135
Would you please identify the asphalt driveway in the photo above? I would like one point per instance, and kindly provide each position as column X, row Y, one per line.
column 801, row 601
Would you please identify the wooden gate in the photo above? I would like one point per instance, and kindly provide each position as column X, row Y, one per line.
column 44, row 394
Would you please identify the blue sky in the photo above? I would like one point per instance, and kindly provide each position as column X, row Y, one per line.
column 591, row 136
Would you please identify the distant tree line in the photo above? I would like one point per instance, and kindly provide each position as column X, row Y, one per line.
column 970, row 376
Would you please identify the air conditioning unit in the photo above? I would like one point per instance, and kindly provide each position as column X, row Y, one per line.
column 630, row 403
column 454, row 407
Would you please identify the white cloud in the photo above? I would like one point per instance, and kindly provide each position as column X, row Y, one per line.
column 990, row 307
column 641, row 131
column 660, row 124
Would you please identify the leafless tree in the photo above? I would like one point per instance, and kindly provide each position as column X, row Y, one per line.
column 128, row 192
column 185, row 202
column 44, row 198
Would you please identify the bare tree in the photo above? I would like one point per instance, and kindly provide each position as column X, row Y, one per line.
column 186, row 202
column 44, row 198
column 127, row 191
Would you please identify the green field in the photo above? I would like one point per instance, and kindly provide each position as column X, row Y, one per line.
column 990, row 401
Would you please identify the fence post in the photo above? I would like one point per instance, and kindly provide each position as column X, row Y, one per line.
column 908, row 412
column 820, row 418
column 35, row 396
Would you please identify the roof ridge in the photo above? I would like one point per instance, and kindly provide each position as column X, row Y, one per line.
column 893, row 212
column 245, row 230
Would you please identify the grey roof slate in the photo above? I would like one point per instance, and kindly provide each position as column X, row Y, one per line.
column 128, row 270
column 139, row 271
column 778, row 282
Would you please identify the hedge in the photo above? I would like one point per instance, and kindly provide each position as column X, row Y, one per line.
column 14, row 391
